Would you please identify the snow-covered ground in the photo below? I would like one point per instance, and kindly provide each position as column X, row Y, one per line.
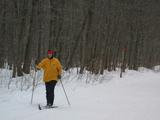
column 136, row 96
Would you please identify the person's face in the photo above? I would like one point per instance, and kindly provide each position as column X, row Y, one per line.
column 49, row 55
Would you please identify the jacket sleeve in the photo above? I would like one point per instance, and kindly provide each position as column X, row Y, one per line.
column 59, row 67
column 41, row 65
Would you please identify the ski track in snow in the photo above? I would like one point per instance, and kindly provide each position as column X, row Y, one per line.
column 134, row 97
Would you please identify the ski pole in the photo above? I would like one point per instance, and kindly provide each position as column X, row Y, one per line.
column 65, row 92
column 33, row 87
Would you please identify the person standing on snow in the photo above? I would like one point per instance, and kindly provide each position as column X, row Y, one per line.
column 52, row 72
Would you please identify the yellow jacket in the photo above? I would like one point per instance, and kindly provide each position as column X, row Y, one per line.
column 52, row 68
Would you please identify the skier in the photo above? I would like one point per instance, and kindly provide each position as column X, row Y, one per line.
column 52, row 72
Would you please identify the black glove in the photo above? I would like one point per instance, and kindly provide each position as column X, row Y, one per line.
column 59, row 76
column 36, row 62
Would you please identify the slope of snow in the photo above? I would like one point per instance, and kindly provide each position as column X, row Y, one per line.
column 134, row 97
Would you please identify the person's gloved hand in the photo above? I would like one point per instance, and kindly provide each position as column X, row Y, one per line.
column 36, row 62
column 59, row 76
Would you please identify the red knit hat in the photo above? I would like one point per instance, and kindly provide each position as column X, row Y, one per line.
column 50, row 52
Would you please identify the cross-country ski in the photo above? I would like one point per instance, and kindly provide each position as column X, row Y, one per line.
column 41, row 107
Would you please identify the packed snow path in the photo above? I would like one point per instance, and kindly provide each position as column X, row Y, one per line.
column 136, row 96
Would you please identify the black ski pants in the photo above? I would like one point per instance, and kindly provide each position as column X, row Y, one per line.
column 50, row 91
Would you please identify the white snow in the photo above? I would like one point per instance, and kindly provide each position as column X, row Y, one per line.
column 136, row 96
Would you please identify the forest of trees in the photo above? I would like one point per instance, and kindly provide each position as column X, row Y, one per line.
column 89, row 34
